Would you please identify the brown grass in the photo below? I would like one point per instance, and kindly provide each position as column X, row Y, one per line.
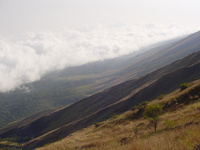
column 178, row 129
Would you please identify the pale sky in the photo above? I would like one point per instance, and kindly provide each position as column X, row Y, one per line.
column 28, row 15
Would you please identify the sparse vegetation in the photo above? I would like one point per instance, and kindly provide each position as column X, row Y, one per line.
column 138, row 128
column 152, row 113
column 142, row 105
column 115, row 116
column 160, row 97
column 97, row 124
column 169, row 124
column 184, row 86
column 178, row 128
column 45, row 95
column 7, row 144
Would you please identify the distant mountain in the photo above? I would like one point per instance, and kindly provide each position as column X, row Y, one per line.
column 103, row 105
column 154, row 59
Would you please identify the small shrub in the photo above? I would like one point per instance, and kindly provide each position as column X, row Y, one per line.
column 184, row 86
column 97, row 124
column 169, row 124
column 160, row 97
column 134, row 107
column 115, row 116
column 143, row 105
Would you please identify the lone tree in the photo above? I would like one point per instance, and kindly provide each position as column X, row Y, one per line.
column 152, row 113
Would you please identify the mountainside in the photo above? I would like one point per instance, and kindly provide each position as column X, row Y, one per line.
column 156, row 58
column 58, row 89
column 177, row 127
column 61, row 88
column 103, row 105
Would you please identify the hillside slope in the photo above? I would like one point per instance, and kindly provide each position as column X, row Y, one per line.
column 102, row 105
column 155, row 58
column 58, row 89
column 61, row 88
column 178, row 127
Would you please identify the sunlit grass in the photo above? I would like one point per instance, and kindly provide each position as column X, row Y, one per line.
column 178, row 129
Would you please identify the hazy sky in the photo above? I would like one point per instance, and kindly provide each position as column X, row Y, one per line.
column 22, row 15
column 38, row 36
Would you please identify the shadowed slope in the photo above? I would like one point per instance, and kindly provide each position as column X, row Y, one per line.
column 102, row 105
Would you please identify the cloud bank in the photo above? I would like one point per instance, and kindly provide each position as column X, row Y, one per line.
column 26, row 58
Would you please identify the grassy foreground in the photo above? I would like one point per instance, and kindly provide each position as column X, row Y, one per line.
column 178, row 127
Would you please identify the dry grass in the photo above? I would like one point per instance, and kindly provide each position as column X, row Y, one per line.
column 177, row 130
column 184, row 138
column 184, row 135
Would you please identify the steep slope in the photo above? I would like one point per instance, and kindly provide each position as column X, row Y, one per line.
column 156, row 58
column 103, row 104
column 178, row 127
column 165, row 83
column 62, row 88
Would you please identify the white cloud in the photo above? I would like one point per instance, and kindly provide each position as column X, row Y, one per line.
column 26, row 58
